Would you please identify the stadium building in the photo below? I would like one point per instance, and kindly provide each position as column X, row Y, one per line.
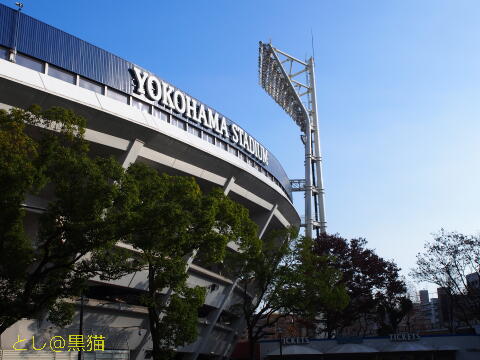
column 135, row 116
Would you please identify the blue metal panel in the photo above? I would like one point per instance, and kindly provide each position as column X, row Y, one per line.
column 56, row 47
column 7, row 19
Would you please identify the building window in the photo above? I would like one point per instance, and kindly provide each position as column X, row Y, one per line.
column 179, row 123
column 140, row 105
column 242, row 156
column 193, row 130
column 208, row 138
column 61, row 74
column 160, row 114
column 232, row 150
column 91, row 85
column 29, row 62
column 117, row 95
column 221, row 144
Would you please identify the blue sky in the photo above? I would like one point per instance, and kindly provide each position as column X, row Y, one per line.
column 398, row 93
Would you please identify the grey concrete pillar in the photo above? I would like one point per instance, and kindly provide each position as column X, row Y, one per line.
column 132, row 153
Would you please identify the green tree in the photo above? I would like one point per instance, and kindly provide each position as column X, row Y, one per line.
column 393, row 303
column 286, row 279
column 94, row 203
column 168, row 221
column 446, row 261
column 44, row 153
column 372, row 284
column 262, row 278
column 318, row 284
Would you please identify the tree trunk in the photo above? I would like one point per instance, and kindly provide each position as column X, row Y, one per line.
column 251, row 344
column 152, row 316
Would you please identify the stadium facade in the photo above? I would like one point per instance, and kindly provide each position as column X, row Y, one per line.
column 135, row 116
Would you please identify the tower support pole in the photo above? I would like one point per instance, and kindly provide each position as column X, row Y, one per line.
column 308, row 181
column 279, row 76
column 317, row 159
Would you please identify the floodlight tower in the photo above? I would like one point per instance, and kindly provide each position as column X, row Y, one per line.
column 279, row 76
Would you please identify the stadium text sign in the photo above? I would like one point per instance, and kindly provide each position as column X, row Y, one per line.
column 404, row 337
column 295, row 340
column 163, row 93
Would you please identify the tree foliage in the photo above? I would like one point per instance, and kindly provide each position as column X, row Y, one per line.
column 44, row 152
column 446, row 261
column 93, row 205
column 393, row 303
column 319, row 285
column 377, row 293
column 286, row 278
column 168, row 220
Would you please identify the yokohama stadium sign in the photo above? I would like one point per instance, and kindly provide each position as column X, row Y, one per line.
column 164, row 94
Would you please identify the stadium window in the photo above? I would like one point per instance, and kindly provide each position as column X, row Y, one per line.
column 117, row 95
column 221, row 144
column 208, row 138
column 3, row 53
column 29, row 62
column 90, row 85
column 232, row 150
column 140, row 105
column 179, row 123
column 182, row 125
column 61, row 74
column 193, row 130
column 160, row 114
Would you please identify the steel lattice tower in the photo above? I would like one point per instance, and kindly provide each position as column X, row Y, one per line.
column 280, row 75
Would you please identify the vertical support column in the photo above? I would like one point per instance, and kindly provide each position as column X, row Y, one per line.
column 217, row 312
column 241, row 321
column 132, row 153
column 130, row 157
column 308, row 180
column 187, row 266
column 226, row 190
column 317, row 152
column 213, row 321
column 269, row 218
column 228, row 185
column 229, row 291
column 13, row 51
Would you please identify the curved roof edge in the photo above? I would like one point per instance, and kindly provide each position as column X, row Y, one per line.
column 54, row 46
